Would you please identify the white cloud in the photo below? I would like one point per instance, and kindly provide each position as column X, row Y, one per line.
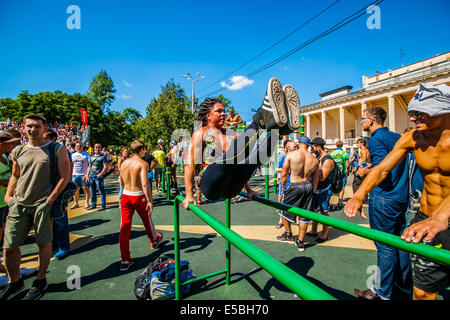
column 124, row 96
column 127, row 84
column 237, row 83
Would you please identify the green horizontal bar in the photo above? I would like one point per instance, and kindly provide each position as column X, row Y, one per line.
column 206, row 276
column 292, row 280
column 421, row 249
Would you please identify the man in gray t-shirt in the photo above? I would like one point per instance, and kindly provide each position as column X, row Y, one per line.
column 96, row 170
column 30, row 196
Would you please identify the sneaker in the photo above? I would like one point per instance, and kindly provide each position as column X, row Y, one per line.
column 101, row 208
column 300, row 245
column 286, row 237
column 272, row 113
column 37, row 290
column 3, row 282
column 157, row 242
column 61, row 254
column 75, row 205
column 126, row 265
column 86, row 205
column 91, row 207
column 12, row 288
column 292, row 103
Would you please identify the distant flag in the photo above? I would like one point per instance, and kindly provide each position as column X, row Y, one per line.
column 83, row 116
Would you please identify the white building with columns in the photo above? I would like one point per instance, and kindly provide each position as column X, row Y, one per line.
column 337, row 115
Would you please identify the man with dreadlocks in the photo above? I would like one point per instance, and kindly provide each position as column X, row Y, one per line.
column 225, row 163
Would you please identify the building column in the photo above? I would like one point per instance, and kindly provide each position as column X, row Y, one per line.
column 324, row 125
column 308, row 125
column 391, row 112
column 363, row 107
column 341, row 123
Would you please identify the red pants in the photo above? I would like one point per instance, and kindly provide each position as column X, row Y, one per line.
column 127, row 206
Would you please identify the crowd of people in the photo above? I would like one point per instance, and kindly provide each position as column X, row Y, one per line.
column 399, row 172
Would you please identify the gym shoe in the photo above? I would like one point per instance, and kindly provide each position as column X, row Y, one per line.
column 12, row 288
column 61, row 254
column 37, row 290
column 272, row 113
column 300, row 245
column 91, row 207
column 86, row 205
column 101, row 208
column 75, row 205
column 292, row 103
column 157, row 242
column 126, row 265
column 3, row 282
column 286, row 237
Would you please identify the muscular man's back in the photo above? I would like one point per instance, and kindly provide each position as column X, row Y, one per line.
column 130, row 174
column 302, row 165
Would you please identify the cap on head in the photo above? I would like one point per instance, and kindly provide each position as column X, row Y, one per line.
column 319, row 141
column 432, row 100
column 305, row 140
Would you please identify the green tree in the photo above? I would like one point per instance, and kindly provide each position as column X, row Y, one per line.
column 165, row 114
column 101, row 90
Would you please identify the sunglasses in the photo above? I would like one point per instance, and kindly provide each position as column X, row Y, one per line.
column 415, row 114
column 361, row 119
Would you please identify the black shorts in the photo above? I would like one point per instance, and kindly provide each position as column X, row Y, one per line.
column 299, row 195
column 429, row 275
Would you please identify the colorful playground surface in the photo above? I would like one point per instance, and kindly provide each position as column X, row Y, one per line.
column 337, row 266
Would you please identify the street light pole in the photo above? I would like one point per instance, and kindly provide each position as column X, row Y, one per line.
column 193, row 80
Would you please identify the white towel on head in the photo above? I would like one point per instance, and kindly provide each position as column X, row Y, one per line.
column 432, row 100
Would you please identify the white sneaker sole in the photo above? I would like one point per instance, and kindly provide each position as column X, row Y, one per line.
column 276, row 99
column 292, row 107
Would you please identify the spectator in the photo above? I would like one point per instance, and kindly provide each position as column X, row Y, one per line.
column 362, row 169
column 340, row 157
column 233, row 120
column 80, row 160
column 160, row 155
column 172, row 165
column 323, row 192
column 136, row 196
column 388, row 205
column 28, row 206
column 152, row 163
column 123, row 155
column 97, row 167
column 89, row 148
column 354, row 161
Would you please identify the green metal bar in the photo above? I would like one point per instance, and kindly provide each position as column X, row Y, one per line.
column 302, row 125
column 421, row 249
column 227, row 243
column 163, row 180
column 176, row 240
column 168, row 182
column 206, row 276
column 292, row 280
column 275, row 177
column 266, row 180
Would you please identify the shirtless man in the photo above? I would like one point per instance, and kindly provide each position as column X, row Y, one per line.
column 136, row 196
column 233, row 120
column 430, row 111
column 304, row 177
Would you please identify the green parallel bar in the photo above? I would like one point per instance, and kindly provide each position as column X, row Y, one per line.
column 266, row 180
column 206, row 276
column 168, row 182
column 176, row 240
column 292, row 280
column 227, row 243
column 275, row 178
column 163, row 180
column 421, row 249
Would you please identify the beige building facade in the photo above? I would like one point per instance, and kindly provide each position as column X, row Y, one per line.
column 337, row 115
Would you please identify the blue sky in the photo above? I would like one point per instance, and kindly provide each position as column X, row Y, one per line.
column 143, row 44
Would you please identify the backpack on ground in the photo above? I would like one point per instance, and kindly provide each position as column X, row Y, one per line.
column 162, row 281
column 142, row 283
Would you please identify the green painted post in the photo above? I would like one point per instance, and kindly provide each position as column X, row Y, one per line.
column 275, row 176
column 266, row 180
column 228, row 244
column 168, row 182
column 163, row 180
column 176, row 238
column 302, row 125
